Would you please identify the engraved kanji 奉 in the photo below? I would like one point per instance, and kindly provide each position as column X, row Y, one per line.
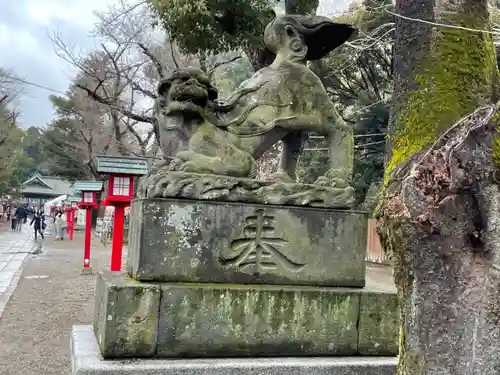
column 259, row 247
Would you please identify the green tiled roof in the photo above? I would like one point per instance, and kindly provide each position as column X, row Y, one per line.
column 75, row 198
column 46, row 185
column 121, row 165
column 88, row 186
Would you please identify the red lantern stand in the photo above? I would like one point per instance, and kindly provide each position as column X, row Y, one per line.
column 89, row 190
column 88, row 206
column 121, row 172
column 120, row 194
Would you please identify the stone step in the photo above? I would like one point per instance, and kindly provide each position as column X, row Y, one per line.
column 202, row 241
column 137, row 319
column 86, row 360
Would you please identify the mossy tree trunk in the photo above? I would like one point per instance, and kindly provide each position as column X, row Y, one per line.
column 440, row 214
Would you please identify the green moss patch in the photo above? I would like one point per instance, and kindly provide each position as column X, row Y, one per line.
column 457, row 77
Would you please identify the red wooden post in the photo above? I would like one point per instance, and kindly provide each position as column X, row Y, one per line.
column 68, row 219
column 88, row 232
column 118, row 224
column 71, row 226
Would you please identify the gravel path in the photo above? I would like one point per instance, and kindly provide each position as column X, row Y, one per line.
column 50, row 298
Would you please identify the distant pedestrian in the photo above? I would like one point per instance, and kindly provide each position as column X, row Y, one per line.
column 30, row 212
column 60, row 224
column 38, row 223
column 53, row 219
column 21, row 215
column 13, row 219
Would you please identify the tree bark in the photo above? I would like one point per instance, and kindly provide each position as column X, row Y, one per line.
column 301, row 6
column 439, row 215
column 446, row 71
column 259, row 56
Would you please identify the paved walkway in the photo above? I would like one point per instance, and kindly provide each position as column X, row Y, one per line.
column 49, row 299
column 14, row 248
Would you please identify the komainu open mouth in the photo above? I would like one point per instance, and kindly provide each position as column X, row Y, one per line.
column 195, row 94
column 200, row 101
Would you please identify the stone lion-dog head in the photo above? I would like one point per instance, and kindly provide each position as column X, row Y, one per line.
column 186, row 91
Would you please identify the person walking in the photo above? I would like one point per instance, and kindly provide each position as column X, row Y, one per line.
column 13, row 219
column 38, row 223
column 20, row 217
column 31, row 211
column 60, row 223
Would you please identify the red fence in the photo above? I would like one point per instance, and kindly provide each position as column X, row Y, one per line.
column 374, row 251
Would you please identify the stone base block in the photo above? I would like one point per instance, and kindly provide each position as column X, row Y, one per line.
column 85, row 271
column 166, row 320
column 216, row 242
column 86, row 360
column 126, row 316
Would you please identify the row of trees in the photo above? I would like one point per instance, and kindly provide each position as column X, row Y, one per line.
column 13, row 161
column 107, row 108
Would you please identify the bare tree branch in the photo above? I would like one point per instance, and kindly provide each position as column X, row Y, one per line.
column 132, row 115
column 121, row 77
column 220, row 63
column 153, row 59
column 172, row 52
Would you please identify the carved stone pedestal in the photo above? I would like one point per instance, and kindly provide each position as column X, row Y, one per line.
column 185, row 320
column 226, row 280
column 218, row 242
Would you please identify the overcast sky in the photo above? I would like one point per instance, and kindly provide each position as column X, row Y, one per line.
column 25, row 27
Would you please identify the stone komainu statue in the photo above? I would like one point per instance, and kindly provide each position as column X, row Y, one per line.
column 284, row 101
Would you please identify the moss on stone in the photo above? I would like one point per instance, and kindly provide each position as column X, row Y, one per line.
column 252, row 321
column 126, row 316
column 458, row 76
column 378, row 324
